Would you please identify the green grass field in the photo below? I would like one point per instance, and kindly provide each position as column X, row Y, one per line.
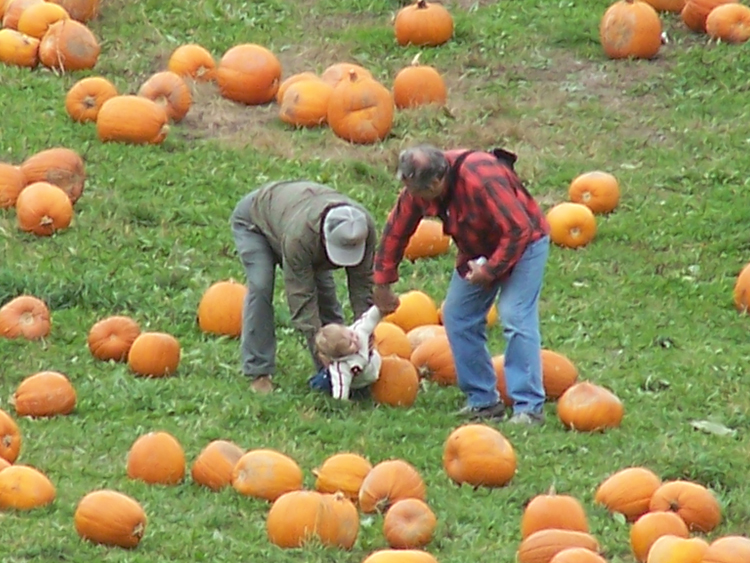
column 645, row 310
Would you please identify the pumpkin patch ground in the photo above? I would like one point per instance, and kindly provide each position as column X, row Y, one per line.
column 645, row 311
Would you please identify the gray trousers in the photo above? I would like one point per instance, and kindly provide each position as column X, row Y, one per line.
column 258, row 339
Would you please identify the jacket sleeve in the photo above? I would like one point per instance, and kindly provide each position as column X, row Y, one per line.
column 402, row 221
column 369, row 320
column 341, row 380
column 359, row 278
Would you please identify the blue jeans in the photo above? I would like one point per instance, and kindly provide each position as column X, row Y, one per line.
column 321, row 381
column 464, row 316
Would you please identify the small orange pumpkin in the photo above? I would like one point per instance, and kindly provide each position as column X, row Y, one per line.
column 692, row 502
column 60, row 166
column 13, row 11
column 650, row 527
column 10, row 438
column 728, row 549
column 132, row 119
column 398, row 383
column 388, row 482
column 337, row 72
column 266, row 474
column 156, row 458
column 577, row 555
column 400, row 556
column 391, row 339
column 628, row 491
column 480, row 456
column 213, row 466
column 305, row 103
column 112, row 337
column 69, row 45
column 674, row 6
column 415, row 308
column 24, row 488
column 47, row 393
column 110, row 518
column 572, row 225
column 4, row 464
column 434, row 361
column 169, row 90
column 18, row 49
column 409, row 524
column 587, row 407
column 550, row 510
column 423, row 24
column 360, row 110
column 420, row 334
column 729, row 23
column 419, row 85
column 667, row 549
column 630, row 29
column 742, row 290
column 342, row 472
column 12, row 181
column 43, row 209
column 81, row 10
column 220, row 308
column 26, row 317
column 86, row 97
column 597, row 190
column 249, row 74
column 695, row 13
column 154, row 354
column 36, row 19
column 558, row 374
column 293, row 79
column 427, row 241
column 193, row 61
column 543, row 545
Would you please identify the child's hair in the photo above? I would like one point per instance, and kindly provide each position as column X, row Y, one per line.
column 331, row 343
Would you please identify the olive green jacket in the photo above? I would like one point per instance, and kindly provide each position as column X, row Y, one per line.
column 289, row 214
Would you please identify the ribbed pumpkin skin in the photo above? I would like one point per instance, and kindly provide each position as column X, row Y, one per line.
column 26, row 317
column 409, row 524
column 398, row 383
column 419, row 85
column 434, row 361
column 586, row 407
column 650, row 527
column 360, row 110
column 110, row 518
column 81, row 10
column 69, row 45
column 111, row 338
column 13, row 11
column 213, row 466
column 59, row 166
column 728, row 549
column 154, row 354
column 479, row 455
column 132, row 119
column 193, row 61
column 156, row 458
column 423, row 23
column 630, row 29
column 542, row 546
column 36, row 19
column 18, row 49
column 220, row 308
column 169, row 90
column 388, row 482
column 249, row 74
column 562, row 512
column 729, row 23
column 25, row 488
column 266, row 474
column 343, row 472
column 10, row 438
column 47, row 393
column 628, row 491
column 87, row 96
column 693, row 502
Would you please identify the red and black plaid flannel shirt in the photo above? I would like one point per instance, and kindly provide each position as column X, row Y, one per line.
column 487, row 212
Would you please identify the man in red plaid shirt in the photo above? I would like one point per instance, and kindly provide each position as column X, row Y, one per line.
column 503, row 241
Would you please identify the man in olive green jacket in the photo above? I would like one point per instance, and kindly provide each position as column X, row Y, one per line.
column 307, row 229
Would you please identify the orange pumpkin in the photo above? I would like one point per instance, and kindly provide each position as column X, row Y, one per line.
column 24, row 488
column 420, row 334
column 156, row 458
column 728, row 549
column 409, row 524
column 587, row 407
column 112, row 337
column 13, row 11
column 81, row 10
column 628, row 491
column 26, row 317
column 692, row 502
column 337, row 72
column 424, row 24
column 86, row 97
column 695, row 13
column 391, row 339
column 249, row 74
column 480, row 456
column 169, row 90
column 492, row 314
column 12, row 181
column 668, row 549
column 388, row 482
column 18, row 49
column 293, row 79
column 36, row 19
column 650, row 527
column 434, row 361
column 47, row 393
column 154, row 354
column 69, row 45
column 266, row 474
column 599, row 191
column 220, row 308
column 419, row 85
column 342, row 472
column 415, row 308
column 571, row 224
column 674, row 6
column 729, row 23
column 132, row 119
column 550, row 510
column 542, row 546
column 577, row 555
column 558, row 374
column 398, row 383
column 742, row 290
column 110, row 518
column 4, row 464
column 305, row 103
column 213, row 466
column 59, row 166
column 193, row 61
column 427, row 241
column 400, row 556
column 360, row 110
column 498, row 364
column 10, row 438
column 630, row 29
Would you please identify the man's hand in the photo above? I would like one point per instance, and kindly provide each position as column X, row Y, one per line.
column 384, row 299
column 478, row 273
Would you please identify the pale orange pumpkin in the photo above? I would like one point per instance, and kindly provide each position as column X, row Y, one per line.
column 342, row 472
column 558, row 374
column 112, row 337
column 26, row 317
column 24, row 488
column 391, row 339
column 266, row 474
column 43, row 209
column 542, row 546
column 170, row 91
column 692, row 502
column 674, row 6
column 409, row 524
column 86, row 97
column 109, row 517
column 728, row 549
column 18, row 49
column 4, row 464
column 480, row 456
column 398, row 383
column 427, row 241
column 69, row 45
column 13, row 11
column 12, row 181
column 154, row 354
column 193, row 61
column 420, row 334
column 156, row 458
column 44, row 394
column 36, row 19
column 572, row 225
column 419, row 85
column 81, row 10
column 729, row 23
column 587, row 407
column 220, row 308
column 415, row 308
column 434, row 361
column 249, row 74
column 293, row 79
column 60, row 166
column 650, row 527
column 742, row 290
column 597, row 190
column 423, row 24
column 628, row 491
column 214, row 465
column 305, row 103
column 695, row 13
column 400, row 556
column 577, row 555
column 388, row 482
column 550, row 510
column 360, row 110
column 132, row 119
column 670, row 549
column 10, row 438
column 337, row 72
column 630, row 29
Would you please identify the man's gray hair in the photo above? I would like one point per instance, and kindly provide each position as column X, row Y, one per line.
column 420, row 166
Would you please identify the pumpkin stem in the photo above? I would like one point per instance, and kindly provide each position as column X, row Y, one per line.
column 7, row 440
column 352, row 75
column 422, row 4
column 138, row 530
column 46, row 221
column 552, row 491
column 415, row 60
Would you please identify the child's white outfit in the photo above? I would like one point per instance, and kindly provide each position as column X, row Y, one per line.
column 361, row 368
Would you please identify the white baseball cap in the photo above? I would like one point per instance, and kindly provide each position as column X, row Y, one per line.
column 345, row 234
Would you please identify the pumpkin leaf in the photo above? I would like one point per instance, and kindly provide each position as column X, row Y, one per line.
column 713, row 428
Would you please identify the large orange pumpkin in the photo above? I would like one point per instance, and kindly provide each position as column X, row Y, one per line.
column 360, row 110
column 419, row 85
column 729, row 23
column 69, row 45
column 86, row 97
column 668, row 549
column 193, row 61
column 24, row 488
column 110, row 518
column 132, row 119
column 397, row 384
column 479, row 455
column 695, row 13
column 305, row 103
column 650, row 527
column 630, row 29
column 628, row 491
column 587, row 407
column 415, row 308
column 249, row 74
column 409, row 524
column 692, row 502
column 434, row 360
column 728, row 549
column 220, row 308
column 156, row 458
column 266, row 474
column 572, row 225
column 550, row 510
column 112, row 337
column 26, row 317
column 424, row 24
column 154, row 354
column 43, row 209
column 12, row 181
column 342, row 472
column 391, row 339
column 60, row 166
column 18, row 49
column 542, row 546
column 388, row 482
column 597, row 190
column 170, row 91
column 81, row 10
column 10, row 438
column 427, row 241
column 214, row 465
column 47, row 393
column 36, row 19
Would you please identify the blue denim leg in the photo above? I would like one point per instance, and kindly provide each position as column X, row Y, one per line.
column 519, row 314
column 465, row 320
column 321, row 381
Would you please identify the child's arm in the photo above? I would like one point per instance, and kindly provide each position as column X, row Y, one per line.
column 369, row 320
column 341, row 380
